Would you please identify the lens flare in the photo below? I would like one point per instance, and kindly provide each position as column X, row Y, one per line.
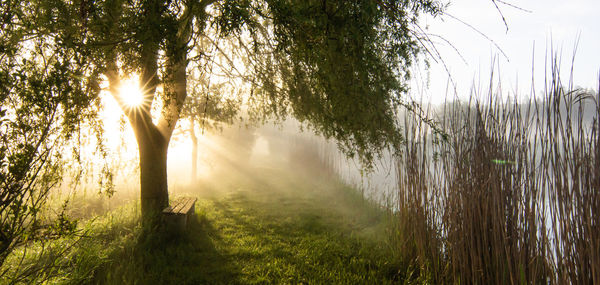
column 131, row 93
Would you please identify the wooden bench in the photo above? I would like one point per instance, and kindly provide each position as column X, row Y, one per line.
column 176, row 215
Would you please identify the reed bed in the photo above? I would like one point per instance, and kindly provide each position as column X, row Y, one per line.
column 512, row 195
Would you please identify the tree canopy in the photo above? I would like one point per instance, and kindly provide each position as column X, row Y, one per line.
column 340, row 67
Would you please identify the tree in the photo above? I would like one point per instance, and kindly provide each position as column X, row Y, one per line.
column 44, row 95
column 337, row 66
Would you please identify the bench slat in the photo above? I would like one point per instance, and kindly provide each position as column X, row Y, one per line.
column 177, row 214
column 180, row 206
column 187, row 205
column 177, row 208
column 183, row 205
column 168, row 210
column 171, row 209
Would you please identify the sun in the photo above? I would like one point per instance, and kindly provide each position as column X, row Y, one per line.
column 130, row 92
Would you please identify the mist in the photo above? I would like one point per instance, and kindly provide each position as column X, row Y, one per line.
column 299, row 142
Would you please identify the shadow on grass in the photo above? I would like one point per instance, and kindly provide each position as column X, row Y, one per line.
column 189, row 258
column 297, row 244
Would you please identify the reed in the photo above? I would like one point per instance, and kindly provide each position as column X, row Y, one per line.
column 513, row 194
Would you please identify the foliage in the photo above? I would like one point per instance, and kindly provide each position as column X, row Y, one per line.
column 209, row 108
column 47, row 89
column 338, row 66
column 64, row 225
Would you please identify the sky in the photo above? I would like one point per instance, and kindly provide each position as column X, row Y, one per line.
column 531, row 34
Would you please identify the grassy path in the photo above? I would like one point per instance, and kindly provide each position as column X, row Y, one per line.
column 268, row 226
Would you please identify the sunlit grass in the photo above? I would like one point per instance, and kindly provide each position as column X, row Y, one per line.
column 261, row 225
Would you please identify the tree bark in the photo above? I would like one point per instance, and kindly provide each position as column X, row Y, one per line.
column 153, row 149
column 194, row 152
column 152, row 144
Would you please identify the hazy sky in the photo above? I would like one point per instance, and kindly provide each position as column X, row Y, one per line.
column 551, row 23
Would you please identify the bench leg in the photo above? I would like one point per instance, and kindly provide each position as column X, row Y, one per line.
column 193, row 210
column 175, row 222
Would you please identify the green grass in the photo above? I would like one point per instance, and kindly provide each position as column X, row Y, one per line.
column 251, row 227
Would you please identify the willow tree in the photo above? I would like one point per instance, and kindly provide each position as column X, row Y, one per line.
column 44, row 96
column 337, row 66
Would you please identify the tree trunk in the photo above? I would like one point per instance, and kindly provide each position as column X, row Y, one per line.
column 194, row 152
column 154, row 192
column 152, row 146
column 152, row 143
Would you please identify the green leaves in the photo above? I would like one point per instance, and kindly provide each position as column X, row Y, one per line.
column 503, row 162
column 44, row 96
column 233, row 14
column 64, row 225
column 340, row 67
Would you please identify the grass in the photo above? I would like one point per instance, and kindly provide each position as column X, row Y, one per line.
column 258, row 226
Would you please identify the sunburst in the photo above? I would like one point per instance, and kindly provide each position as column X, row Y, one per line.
column 130, row 93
